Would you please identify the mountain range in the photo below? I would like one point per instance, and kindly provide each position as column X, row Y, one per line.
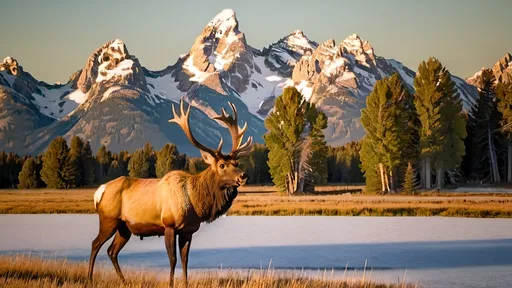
column 115, row 101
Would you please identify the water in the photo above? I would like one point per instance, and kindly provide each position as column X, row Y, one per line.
column 433, row 251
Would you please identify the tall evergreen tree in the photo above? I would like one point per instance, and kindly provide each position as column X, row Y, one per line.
column 139, row 165
column 124, row 158
column 102, row 163
column 56, row 169
column 76, row 159
column 114, row 170
column 442, row 130
column 386, row 120
column 87, row 160
column 484, row 127
column 504, row 96
column 28, row 175
column 150, row 157
column 286, row 137
column 409, row 180
column 167, row 159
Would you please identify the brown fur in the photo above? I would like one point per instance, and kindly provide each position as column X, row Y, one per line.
column 173, row 206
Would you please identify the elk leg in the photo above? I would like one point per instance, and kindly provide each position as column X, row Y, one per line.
column 120, row 239
column 108, row 227
column 184, row 244
column 170, row 245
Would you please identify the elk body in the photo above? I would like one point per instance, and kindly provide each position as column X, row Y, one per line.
column 175, row 205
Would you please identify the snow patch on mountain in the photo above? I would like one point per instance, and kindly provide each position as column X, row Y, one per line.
column 165, row 87
column 263, row 83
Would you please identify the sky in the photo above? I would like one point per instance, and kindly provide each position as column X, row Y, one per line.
column 52, row 39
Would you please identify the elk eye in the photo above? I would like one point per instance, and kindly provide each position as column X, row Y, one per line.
column 221, row 166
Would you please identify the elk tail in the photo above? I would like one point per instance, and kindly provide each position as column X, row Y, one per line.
column 98, row 194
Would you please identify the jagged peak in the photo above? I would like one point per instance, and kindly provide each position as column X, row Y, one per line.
column 10, row 64
column 355, row 45
column 223, row 21
column 299, row 39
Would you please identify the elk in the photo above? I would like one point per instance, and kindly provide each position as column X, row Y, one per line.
column 175, row 205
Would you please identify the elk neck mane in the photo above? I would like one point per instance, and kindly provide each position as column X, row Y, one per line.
column 207, row 197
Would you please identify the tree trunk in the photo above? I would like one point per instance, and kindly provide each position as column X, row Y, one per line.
column 509, row 162
column 422, row 173
column 386, row 178
column 440, row 178
column 492, row 157
column 428, row 175
column 382, row 180
column 392, row 180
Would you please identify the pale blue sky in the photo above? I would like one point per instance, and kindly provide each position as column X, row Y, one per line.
column 52, row 39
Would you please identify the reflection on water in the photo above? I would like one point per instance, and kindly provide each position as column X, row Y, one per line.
column 435, row 251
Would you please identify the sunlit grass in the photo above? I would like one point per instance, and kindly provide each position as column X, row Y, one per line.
column 25, row 271
column 272, row 204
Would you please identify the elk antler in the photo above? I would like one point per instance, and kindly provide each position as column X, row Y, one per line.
column 183, row 121
column 237, row 134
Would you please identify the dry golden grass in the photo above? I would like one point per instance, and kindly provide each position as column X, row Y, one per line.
column 24, row 271
column 250, row 202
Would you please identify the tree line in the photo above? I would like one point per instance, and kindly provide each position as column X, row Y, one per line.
column 74, row 166
column 427, row 132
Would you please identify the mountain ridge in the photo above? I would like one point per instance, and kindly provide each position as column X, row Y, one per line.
column 220, row 67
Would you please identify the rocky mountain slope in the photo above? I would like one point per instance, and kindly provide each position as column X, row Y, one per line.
column 502, row 71
column 115, row 101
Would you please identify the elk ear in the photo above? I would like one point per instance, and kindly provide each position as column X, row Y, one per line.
column 207, row 157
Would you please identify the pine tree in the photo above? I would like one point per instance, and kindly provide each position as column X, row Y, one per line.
column 167, row 160
column 317, row 120
column 56, row 169
column 150, row 157
column 286, row 135
column 442, row 129
column 76, row 159
column 484, row 127
column 87, row 170
column 114, row 170
column 504, row 97
column 4, row 180
column 409, row 180
column 102, row 163
column 386, row 120
column 28, row 175
column 139, row 165
column 124, row 158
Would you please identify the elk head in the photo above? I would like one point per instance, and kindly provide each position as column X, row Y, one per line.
column 225, row 166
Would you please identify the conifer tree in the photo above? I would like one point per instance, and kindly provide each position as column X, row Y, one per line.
column 409, row 180
column 102, row 163
column 150, row 157
column 76, row 159
column 504, row 97
column 28, row 175
column 386, row 120
column 167, row 160
column 484, row 127
column 56, row 169
column 286, row 137
column 87, row 160
column 139, row 165
column 114, row 170
column 124, row 159
column 442, row 131
column 196, row 165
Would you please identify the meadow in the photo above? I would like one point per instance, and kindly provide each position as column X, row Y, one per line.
column 264, row 200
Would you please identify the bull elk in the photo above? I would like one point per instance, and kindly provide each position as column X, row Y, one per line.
column 174, row 205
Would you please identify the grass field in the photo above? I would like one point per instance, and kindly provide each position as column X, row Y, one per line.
column 23, row 271
column 264, row 201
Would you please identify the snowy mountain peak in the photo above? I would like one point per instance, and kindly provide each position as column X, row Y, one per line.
column 114, row 61
column 224, row 20
column 298, row 42
column 355, row 45
column 10, row 65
